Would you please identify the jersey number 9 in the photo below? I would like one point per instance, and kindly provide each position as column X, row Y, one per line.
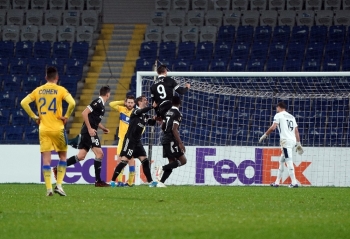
column 161, row 91
column 52, row 106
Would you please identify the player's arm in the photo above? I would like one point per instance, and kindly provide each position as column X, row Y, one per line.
column 104, row 129
column 25, row 105
column 71, row 105
column 177, row 136
column 299, row 148
column 271, row 129
column 182, row 90
column 151, row 121
column 141, row 111
column 85, row 115
column 116, row 104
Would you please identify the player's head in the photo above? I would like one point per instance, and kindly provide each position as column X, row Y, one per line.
column 176, row 101
column 162, row 70
column 51, row 74
column 129, row 102
column 141, row 101
column 281, row 106
column 105, row 91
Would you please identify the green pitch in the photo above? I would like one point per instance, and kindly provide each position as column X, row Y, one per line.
column 174, row 212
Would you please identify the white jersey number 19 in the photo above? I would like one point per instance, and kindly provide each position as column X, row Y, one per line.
column 290, row 125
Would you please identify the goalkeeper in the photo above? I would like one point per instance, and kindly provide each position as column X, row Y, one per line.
column 289, row 136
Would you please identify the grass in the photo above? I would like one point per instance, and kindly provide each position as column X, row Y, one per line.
column 174, row 212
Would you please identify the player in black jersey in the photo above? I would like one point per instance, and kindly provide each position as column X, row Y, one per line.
column 132, row 145
column 89, row 139
column 173, row 148
column 163, row 89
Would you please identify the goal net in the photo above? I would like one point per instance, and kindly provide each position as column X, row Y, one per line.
column 225, row 114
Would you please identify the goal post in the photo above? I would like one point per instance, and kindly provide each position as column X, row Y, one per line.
column 225, row 113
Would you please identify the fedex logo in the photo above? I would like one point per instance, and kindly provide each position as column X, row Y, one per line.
column 226, row 171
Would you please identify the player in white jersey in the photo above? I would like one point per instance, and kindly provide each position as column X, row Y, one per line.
column 289, row 137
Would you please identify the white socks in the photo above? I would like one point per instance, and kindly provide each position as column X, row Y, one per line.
column 279, row 173
column 291, row 172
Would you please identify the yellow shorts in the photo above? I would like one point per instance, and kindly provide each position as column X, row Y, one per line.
column 53, row 140
column 120, row 145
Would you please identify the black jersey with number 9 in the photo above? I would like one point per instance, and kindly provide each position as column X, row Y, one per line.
column 163, row 89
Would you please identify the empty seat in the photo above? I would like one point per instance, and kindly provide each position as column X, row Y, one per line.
column 219, row 65
column 176, row 18
column 333, row 50
column 74, row 67
column 204, row 50
column 292, row 64
column 167, row 50
column 195, row 18
column 294, row 5
column 58, row 63
column 71, row 18
column 57, row 4
column 331, row 64
column 300, row 34
column 305, row 18
column 144, row 64
column 318, row 34
column 30, row 82
column 35, row 17
column 4, row 62
column 7, row 48
column 336, row 34
column 332, row 5
column 66, row 33
column 24, row 49
column 278, row 50
column 19, row 117
column 296, row 50
column 42, row 49
column 268, row 18
column 223, row 50
column 312, row 65
column 263, row 34
column 153, row 33
column 5, row 4
column 190, row 33
column 18, row 66
column 31, row 133
column 182, row 65
column 232, row 17
column 213, row 18
column 281, row 34
column 148, row 50
column 29, row 33
column 15, row 17
column 48, row 33
column 181, row 5
column 85, row 34
column 208, row 33
column 199, row 5
column 80, row 50
column 324, row 18
column 159, row 18
column 172, row 33
column 4, row 115
column 14, row 133
column 200, row 65
column 10, row 33
column 7, row 99
column 89, row 18
column 258, row 5
column 240, row 5
column 256, row 65
column 313, row 5
column 53, row 18
column 250, row 18
column 314, row 50
column 275, row 64
column 221, row 5
column 346, row 5
column 23, row 4
column 61, row 50
column 244, row 34
column 76, row 5
column 12, row 82
column 186, row 50
column 287, row 18
column 163, row 4
column 259, row 50
column 342, row 17
column 241, row 50
column 2, row 16
column 277, row 5
column 41, row 5
column 37, row 66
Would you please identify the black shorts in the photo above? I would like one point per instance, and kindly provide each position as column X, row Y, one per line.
column 163, row 108
column 172, row 151
column 87, row 142
column 132, row 149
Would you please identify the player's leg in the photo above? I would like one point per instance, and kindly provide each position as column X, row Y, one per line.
column 279, row 172
column 98, row 165
column 140, row 153
column 289, row 161
column 131, row 178
column 125, row 154
column 120, row 176
column 45, row 149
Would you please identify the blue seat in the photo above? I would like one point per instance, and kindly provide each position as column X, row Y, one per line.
column 244, row 34
column 204, row 50
column 278, row 50
column 167, row 50
column 14, row 133
column 336, row 33
column 314, row 50
column 4, row 63
column 58, row 63
column 259, row 50
column 69, row 78
column 186, row 50
column 237, row 64
column 12, row 83
column 37, row 66
column 312, row 64
column 6, row 49
column 2, row 133
column 222, row 50
column 19, row 117
column 334, row 50
column 80, row 50
column 42, row 49
column 24, row 49
column 4, row 116
column 31, row 134
column 61, row 50
column 241, row 50
column 300, row 34
column 182, row 65
column 331, row 64
column 18, row 66
column 318, row 34
column 226, row 33
column 218, row 65
column 292, row 64
column 148, row 50
column 30, row 82
column 71, row 86
column 200, row 65
column 144, row 64
column 256, row 65
column 274, row 64
column 74, row 67
column 281, row 34
column 263, row 34
column 167, row 62
column 7, row 99
column 296, row 50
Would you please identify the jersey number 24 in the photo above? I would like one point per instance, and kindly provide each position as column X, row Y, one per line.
column 52, row 106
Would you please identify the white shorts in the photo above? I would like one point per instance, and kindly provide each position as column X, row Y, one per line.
column 287, row 147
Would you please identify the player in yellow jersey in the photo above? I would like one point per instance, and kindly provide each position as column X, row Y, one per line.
column 48, row 99
column 124, row 108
